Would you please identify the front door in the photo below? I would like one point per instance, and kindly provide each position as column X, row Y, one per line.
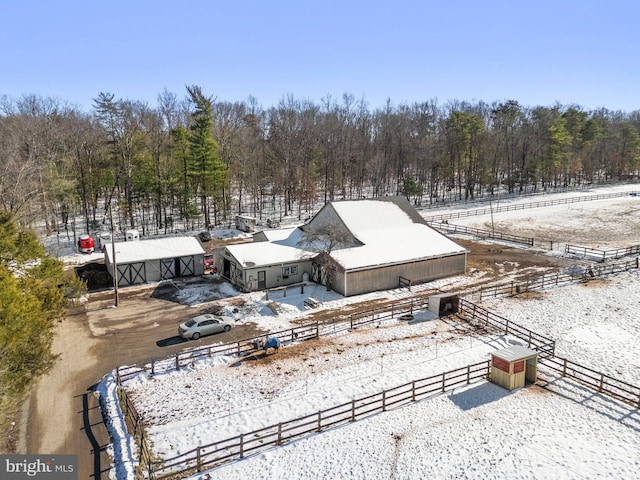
column 262, row 280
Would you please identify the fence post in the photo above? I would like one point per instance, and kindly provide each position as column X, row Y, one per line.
column 413, row 391
column 601, row 382
column 564, row 368
column 353, row 410
column 319, row 421
column 384, row 400
column 279, row 434
column 468, row 374
column 177, row 362
column 198, row 460
column 443, row 381
column 153, row 367
column 506, row 331
column 242, row 445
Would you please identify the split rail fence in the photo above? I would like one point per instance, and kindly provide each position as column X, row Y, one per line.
column 612, row 387
column 245, row 444
column 476, row 232
column 600, row 255
column 555, row 279
column 480, row 316
column 301, row 333
column 523, row 206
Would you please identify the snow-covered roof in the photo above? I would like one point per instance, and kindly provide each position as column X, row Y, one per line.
column 281, row 248
column 514, row 352
column 158, row 248
column 389, row 236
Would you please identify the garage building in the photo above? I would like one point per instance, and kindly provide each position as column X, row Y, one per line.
column 147, row 261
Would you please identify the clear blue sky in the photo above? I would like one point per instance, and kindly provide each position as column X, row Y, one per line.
column 536, row 52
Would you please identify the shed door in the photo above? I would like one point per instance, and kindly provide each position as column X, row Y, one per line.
column 167, row 268
column 187, row 266
column 132, row 273
column 138, row 273
column 262, row 280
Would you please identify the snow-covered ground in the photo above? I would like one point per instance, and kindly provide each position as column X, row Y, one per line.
column 477, row 432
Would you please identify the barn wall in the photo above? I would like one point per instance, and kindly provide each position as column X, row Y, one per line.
column 384, row 278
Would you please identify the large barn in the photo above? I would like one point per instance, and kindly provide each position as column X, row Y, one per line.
column 154, row 260
column 373, row 244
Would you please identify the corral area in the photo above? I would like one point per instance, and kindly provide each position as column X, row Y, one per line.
column 553, row 429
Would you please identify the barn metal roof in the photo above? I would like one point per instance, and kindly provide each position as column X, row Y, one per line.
column 156, row 249
column 514, row 353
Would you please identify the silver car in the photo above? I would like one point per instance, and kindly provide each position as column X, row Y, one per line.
column 205, row 325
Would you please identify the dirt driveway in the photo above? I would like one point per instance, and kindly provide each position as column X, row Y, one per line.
column 63, row 415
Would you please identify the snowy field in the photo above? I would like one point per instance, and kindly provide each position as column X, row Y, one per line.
column 563, row 431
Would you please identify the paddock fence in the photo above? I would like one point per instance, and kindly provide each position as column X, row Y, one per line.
column 597, row 381
column 580, row 274
column 246, row 444
column 523, row 206
column 296, row 334
column 600, row 255
column 482, row 318
column 482, row 234
column 301, row 333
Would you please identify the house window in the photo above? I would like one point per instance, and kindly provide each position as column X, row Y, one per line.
column 290, row 270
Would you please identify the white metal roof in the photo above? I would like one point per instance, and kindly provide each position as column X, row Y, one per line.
column 389, row 236
column 514, row 352
column 158, row 248
column 281, row 248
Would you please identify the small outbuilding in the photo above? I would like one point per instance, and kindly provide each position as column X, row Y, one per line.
column 444, row 304
column 154, row 260
column 513, row 367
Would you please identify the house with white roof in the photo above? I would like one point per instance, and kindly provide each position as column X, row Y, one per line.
column 143, row 261
column 374, row 243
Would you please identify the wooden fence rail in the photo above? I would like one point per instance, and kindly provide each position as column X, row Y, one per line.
column 240, row 446
column 600, row 255
column 297, row 334
column 584, row 274
column 478, row 315
column 597, row 381
column 522, row 206
column 476, row 232
column 240, row 347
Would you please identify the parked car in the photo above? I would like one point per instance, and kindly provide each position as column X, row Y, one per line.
column 205, row 325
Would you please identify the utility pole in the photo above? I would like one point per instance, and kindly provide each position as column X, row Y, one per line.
column 115, row 265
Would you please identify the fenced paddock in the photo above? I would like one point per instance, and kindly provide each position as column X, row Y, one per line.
column 522, row 206
column 585, row 274
column 599, row 382
column 482, row 234
column 480, row 316
column 246, row 444
column 600, row 255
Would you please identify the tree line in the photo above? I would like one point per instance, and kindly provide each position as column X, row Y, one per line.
column 195, row 162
